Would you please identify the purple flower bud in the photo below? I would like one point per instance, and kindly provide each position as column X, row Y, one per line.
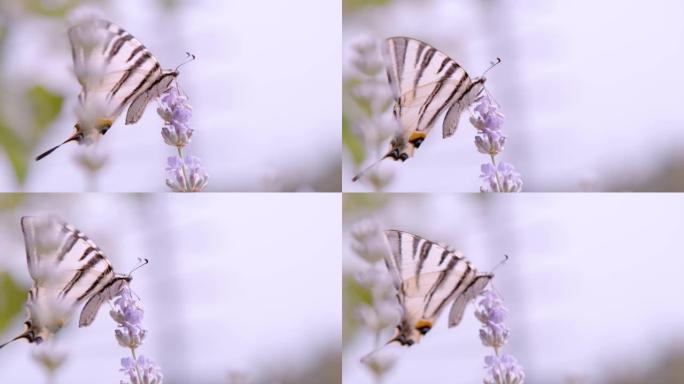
column 487, row 115
column 185, row 175
column 130, row 336
column 490, row 142
column 197, row 177
column 149, row 371
column 177, row 134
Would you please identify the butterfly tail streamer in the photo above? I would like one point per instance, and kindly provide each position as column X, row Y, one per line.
column 74, row 137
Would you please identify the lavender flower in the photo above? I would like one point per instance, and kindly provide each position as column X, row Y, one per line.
column 503, row 370
column 176, row 112
column 490, row 140
column 502, row 178
column 128, row 314
column 141, row 370
column 500, row 369
column 183, row 174
column 492, row 314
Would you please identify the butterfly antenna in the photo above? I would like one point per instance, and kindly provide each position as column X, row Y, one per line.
column 142, row 263
column 492, row 65
column 502, row 262
column 188, row 58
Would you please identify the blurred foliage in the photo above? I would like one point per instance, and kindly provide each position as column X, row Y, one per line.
column 355, row 204
column 352, row 143
column 326, row 367
column 667, row 176
column 12, row 297
column 44, row 107
column 356, row 5
column 353, row 294
column 57, row 9
column 10, row 201
column 668, row 369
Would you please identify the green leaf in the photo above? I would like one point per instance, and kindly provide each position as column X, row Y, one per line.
column 45, row 107
column 57, row 9
column 355, row 5
column 12, row 297
column 353, row 295
column 352, row 143
column 15, row 150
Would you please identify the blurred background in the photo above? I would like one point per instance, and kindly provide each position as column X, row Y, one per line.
column 592, row 286
column 265, row 92
column 247, row 292
column 590, row 91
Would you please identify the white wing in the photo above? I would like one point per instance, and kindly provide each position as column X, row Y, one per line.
column 425, row 83
column 113, row 68
column 430, row 276
column 67, row 268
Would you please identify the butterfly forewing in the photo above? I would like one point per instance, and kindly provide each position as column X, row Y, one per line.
column 429, row 277
column 425, row 82
column 67, row 269
column 112, row 66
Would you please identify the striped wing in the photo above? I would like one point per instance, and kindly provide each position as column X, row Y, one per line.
column 429, row 277
column 425, row 83
column 67, row 269
column 113, row 68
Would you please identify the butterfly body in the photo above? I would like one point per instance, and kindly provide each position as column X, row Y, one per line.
column 67, row 270
column 428, row 278
column 115, row 72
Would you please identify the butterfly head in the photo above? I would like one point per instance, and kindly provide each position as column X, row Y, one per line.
column 403, row 147
column 84, row 134
column 408, row 334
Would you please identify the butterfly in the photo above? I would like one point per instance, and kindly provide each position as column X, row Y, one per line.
column 425, row 83
column 67, row 269
column 428, row 278
column 115, row 71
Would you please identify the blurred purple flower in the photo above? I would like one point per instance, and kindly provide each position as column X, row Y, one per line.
column 185, row 175
column 503, row 370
